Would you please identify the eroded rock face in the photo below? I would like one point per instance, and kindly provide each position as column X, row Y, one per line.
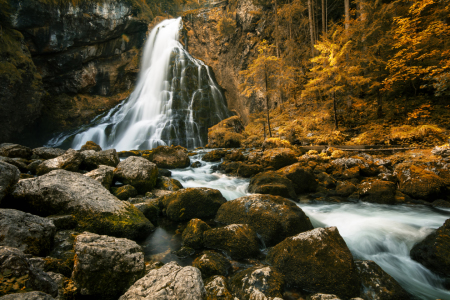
column 272, row 183
column 170, row 282
column 274, row 218
column 211, row 263
column 104, row 175
column 69, row 161
column 302, row 177
column 9, row 176
column 138, row 172
column 29, row 233
column 105, row 265
column 217, row 289
column 317, row 260
column 170, row 157
column 193, row 234
column 94, row 207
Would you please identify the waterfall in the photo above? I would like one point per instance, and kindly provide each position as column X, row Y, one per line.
column 174, row 102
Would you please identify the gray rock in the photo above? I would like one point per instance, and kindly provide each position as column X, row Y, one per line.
column 20, row 163
column 150, row 209
column 47, row 153
column 93, row 206
column 93, row 159
column 216, row 288
column 170, row 282
column 319, row 296
column 69, row 161
column 138, row 172
column 29, row 233
column 32, row 167
column 59, row 279
column 106, row 266
column 28, row 296
column 245, row 16
column 63, row 222
column 104, row 175
column 15, row 261
column 9, row 176
column 14, row 150
column 211, row 263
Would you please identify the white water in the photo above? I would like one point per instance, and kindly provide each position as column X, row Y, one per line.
column 382, row 233
column 160, row 111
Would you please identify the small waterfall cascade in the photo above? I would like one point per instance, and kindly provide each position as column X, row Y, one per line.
column 175, row 101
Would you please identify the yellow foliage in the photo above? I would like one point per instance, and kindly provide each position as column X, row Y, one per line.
column 276, row 143
column 416, row 132
column 337, row 153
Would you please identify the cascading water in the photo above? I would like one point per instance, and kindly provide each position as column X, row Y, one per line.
column 175, row 101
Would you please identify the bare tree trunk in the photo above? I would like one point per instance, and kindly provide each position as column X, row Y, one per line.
column 267, row 104
column 335, row 111
column 276, row 28
column 380, row 104
column 324, row 24
column 347, row 15
column 311, row 26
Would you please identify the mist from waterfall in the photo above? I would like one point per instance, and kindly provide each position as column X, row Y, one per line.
column 174, row 102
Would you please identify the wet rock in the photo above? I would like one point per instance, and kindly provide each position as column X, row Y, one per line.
column 69, row 161
column 278, row 158
column 28, row 296
column 377, row 191
column 272, row 183
column 169, row 184
column 13, row 260
column 248, row 170
column 168, row 282
column 274, row 218
column 106, row 266
column 302, row 177
column 211, row 263
column 260, row 282
column 124, row 192
column 326, row 180
column 193, row 234
column 237, row 240
column 138, row 172
column 214, row 155
column 191, row 203
column 317, row 260
column 14, row 150
column 184, row 252
column 90, row 145
column 9, row 176
column 217, row 289
column 419, row 182
column 376, row 284
column 345, row 188
column 235, row 155
column 94, row 207
column 170, row 157
column 164, row 172
column 29, row 233
column 104, row 175
column 93, row 159
column 196, row 164
column 47, row 153
column 150, row 209
column 441, row 203
column 434, row 251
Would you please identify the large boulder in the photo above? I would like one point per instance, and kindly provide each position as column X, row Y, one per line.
column 318, row 261
column 168, row 184
column 217, row 289
column 106, row 266
column 434, row 251
column 47, row 153
column 104, row 175
column 302, row 177
column 29, row 233
column 93, row 159
column 20, row 163
column 193, row 234
column 377, row 191
column 237, row 240
column 272, row 183
column 211, row 263
column 260, row 282
column 376, row 284
column 28, row 296
column 14, row 264
column 14, row 150
column 94, row 207
column 169, row 282
column 90, row 145
column 69, row 161
column 170, row 157
column 214, row 155
column 274, row 218
column 138, row 172
column 9, row 176
column 278, row 158
column 191, row 203
column 419, row 182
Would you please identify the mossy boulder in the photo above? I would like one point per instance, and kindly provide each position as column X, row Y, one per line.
column 274, row 218
column 196, row 164
column 278, row 158
column 70, row 161
column 15, row 151
column 61, row 258
column 103, row 174
column 272, row 183
column 235, row 155
column 301, row 176
column 191, row 203
column 94, row 159
column 226, row 134
column 434, row 251
column 211, row 263
column 93, row 206
column 259, row 282
column 138, row 172
column 345, row 188
column 168, row 184
column 240, row 168
column 151, row 210
column 9, row 176
column 90, row 145
column 193, row 233
column 214, row 155
column 217, row 289
column 377, row 191
column 124, row 192
column 237, row 240
column 318, row 261
column 170, row 157
column 419, row 183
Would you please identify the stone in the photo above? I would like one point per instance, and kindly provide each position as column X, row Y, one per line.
column 192, row 203
column 274, row 218
column 278, row 158
column 14, row 150
column 103, row 174
column 32, row 167
column 16, row 262
column 226, row 134
column 60, row 281
column 434, row 251
column 318, row 261
column 150, row 209
column 214, row 155
column 61, row 258
column 47, row 153
column 419, row 183
column 124, row 192
column 217, row 289
column 211, row 263
column 26, row 232
column 302, row 177
column 164, row 172
column 138, row 172
column 235, row 155
column 377, row 191
column 184, row 252
column 94, row 207
column 169, row 184
column 326, row 180
column 169, row 282
column 106, row 266
column 94, row 159
column 319, row 296
column 272, row 183
column 69, row 161
column 259, row 282
column 170, row 157
column 196, row 164
column 377, row 284
column 63, row 222
column 248, row 170
column 441, row 203
column 90, row 145
column 28, row 296
column 345, row 188
column 193, row 233
column 20, row 163
column 237, row 240
column 443, row 151
column 9, row 176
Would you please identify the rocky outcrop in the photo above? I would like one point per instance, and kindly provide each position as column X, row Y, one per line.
column 138, row 172
column 419, row 182
column 9, row 176
column 278, row 158
column 211, row 263
column 15, row 151
column 169, row 157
